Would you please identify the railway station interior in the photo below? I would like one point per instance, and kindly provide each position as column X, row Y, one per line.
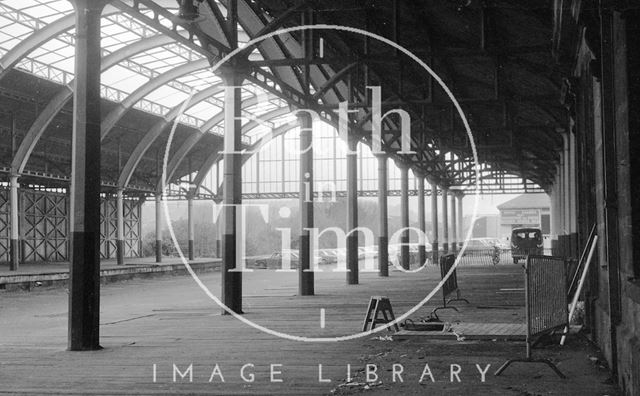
column 195, row 192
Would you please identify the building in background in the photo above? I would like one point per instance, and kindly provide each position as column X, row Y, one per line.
column 526, row 210
column 486, row 226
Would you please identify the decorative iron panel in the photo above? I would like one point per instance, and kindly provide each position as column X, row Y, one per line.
column 109, row 227
column 5, row 227
column 132, row 210
column 45, row 226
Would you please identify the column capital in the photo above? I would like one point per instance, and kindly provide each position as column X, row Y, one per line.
column 233, row 73
column 401, row 164
column 303, row 116
column 432, row 179
column 352, row 142
column 420, row 174
column 191, row 192
column 89, row 5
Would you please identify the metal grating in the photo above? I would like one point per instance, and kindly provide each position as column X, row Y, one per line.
column 546, row 294
column 451, row 284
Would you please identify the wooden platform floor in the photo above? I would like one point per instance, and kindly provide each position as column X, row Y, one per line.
column 167, row 321
column 474, row 331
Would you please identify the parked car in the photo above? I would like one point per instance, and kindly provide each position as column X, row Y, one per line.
column 274, row 261
column 370, row 251
column 525, row 241
column 327, row 256
column 395, row 251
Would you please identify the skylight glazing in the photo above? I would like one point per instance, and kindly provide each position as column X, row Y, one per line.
column 54, row 58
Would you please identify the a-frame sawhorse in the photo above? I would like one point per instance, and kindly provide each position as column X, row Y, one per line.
column 379, row 305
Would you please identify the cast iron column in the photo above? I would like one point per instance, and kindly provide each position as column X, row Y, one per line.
column 454, row 223
column 567, row 184
column 120, row 226
column 561, row 207
column 352, row 212
column 219, row 225
column 305, row 271
column 434, row 222
column 84, row 277
column 445, row 222
column 566, row 214
column 15, row 224
column 460, row 233
column 383, row 237
column 613, row 121
column 231, row 284
column 573, row 223
column 159, row 224
column 422, row 249
column 232, row 191
column 190, row 230
column 404, row 215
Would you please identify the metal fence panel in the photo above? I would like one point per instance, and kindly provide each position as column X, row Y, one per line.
column 451, row 284
column 546, row 294
column 489, row 257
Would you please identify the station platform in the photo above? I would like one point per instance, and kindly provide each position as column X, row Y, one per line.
column 33, row 275
column 151, row 327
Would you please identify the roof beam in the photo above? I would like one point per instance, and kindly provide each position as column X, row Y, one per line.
column 337, row 77
column 213, row 46
column 192, row 140
column 219, row 20
column 152, row 134
column 255, row 147
column 116, row 114
column 156, row 130
column 56, row 104
column 39, row 37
